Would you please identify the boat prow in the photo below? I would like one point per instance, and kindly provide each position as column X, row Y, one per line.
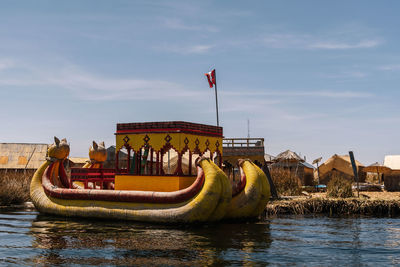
column 252, row 193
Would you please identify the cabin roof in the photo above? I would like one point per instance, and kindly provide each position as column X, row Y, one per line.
column 169, row 127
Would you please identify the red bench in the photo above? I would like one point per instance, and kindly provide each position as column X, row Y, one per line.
column 95, row 176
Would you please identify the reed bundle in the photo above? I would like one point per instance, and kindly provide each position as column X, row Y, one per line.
column 332, row 206
column 14, row 187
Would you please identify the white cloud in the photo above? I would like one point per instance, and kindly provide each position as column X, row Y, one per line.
column 334, row 45
column 347, row 74
column 315, row 93
column 177, row 24
column 190, row 49
column 6, row 64
column 198, row 49
column 89, row 86
column 303, row 41
column 393, row 67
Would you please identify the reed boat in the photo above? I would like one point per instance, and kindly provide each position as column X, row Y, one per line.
column 251, row 194
column 146, row 184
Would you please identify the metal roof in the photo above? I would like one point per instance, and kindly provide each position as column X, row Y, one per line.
column 288, row 155
column 392, row 161
column 308, row 165
column 22, row 155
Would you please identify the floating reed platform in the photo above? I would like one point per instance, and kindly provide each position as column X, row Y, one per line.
column 332, row 206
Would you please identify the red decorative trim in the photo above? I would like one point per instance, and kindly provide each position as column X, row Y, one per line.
column 169, row 126
column 122, row 195
column 241, row 185
column 176, row 130
column 63, row 176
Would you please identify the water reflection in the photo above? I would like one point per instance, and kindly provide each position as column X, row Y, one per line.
column 125, row 243
column 27, row 238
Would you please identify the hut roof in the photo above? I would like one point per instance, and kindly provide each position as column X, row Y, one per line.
column 22, row 156
column 340, row 163
column 78, row 160
column 289, row 156
column 268, row 157
column 307, row 165
column 392, row 161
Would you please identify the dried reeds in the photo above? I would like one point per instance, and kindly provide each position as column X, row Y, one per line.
column 339, row 187
column 286, row 182
column 14, row 187
column 351, row 206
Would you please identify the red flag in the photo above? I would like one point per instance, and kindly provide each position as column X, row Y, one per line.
column 211, row 78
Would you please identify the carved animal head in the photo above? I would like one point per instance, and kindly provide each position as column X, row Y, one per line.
column 98, row 152
column 58, row 150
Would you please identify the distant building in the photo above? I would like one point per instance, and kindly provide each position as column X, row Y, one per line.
column 297, row 166
column 242, row 148
column 269, row 159
column 110, row 162
column 77, row 162
column 22, row 156
column 392, row 180
column 340, row 166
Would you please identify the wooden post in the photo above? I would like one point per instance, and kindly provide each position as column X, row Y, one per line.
column 140, row 161
column 151, row 161
column 179, row 169
column 162, row 162
column 190, row 162
column 157, row 163
column 274, row 193
column 353, row 164
column 128, row 168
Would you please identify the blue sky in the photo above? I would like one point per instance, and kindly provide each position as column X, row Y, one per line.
column 315, row 77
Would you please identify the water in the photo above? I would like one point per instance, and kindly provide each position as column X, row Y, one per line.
column 27, row 238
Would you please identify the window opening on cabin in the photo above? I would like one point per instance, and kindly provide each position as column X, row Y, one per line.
column 170, row 161
column 123, row 159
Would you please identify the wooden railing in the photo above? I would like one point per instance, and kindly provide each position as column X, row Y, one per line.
column 243, row 142
column 95, row 176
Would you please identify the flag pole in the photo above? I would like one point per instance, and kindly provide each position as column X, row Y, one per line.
column 216, row 96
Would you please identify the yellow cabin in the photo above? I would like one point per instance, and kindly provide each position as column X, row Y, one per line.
column 161, row 155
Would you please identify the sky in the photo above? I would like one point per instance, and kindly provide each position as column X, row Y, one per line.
column 316, row 77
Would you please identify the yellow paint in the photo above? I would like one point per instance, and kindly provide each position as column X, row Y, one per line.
column 3, row 159
column 152, row 183
column 157, row 141
column 22, row 160
column 253, row 199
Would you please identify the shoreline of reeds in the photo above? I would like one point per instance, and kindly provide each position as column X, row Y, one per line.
column 334, row 206
column 14, row 187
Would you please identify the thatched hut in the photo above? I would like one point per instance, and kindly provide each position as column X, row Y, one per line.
column 340, row 166
column 22, row 156
column 392, row 180
column 297, row 166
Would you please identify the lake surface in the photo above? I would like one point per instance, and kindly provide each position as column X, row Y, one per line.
column 27, row 238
